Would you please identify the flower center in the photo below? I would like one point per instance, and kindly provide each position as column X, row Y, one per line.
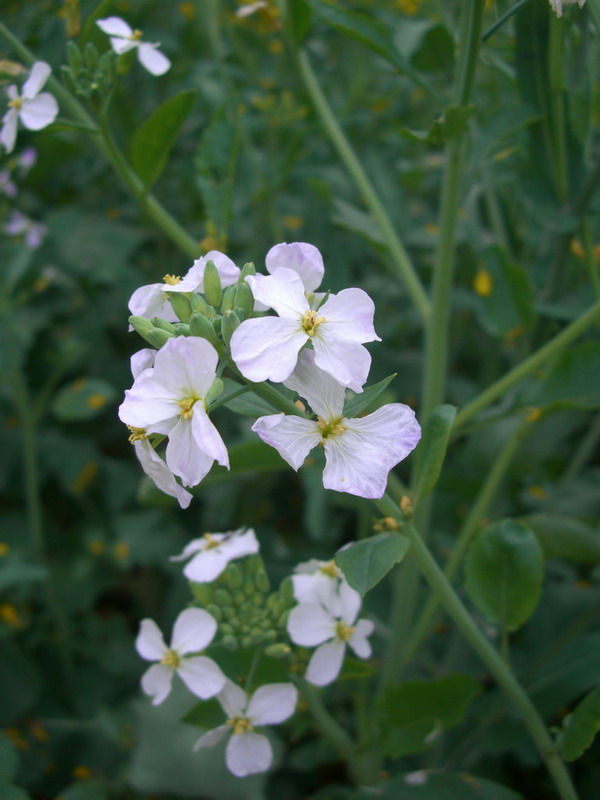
column 240, row 725
column 170, row 659
column 137, row 434
column 310, row 322
column 135, row 36
column 329, row 569
column 172, row 280
column 210, row 541
column 187, row 407
column 16, row 103
column 332, row 427
column 343, row 631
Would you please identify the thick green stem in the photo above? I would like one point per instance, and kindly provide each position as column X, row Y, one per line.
column 504, row 18
column 454, row 607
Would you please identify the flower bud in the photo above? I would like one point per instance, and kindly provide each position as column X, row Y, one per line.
column 74, row 56
column 154, row 336
column 216, row 322
column 262, row 582
column 216, row 389
column 228, row 325
column 200, row 326
column 227, row 302
column 226, row 629
column 286, row 590
column 90, row 56
column 230, row 613
column 249, row 589
column 278, row 650
column 247, row 642
column 244, row 298
column 198, row 303
column 202, row 592
column 223, row 598
column 182, row 329
column 270, row 636
column 234, row 577
column 215, row 611
column 157, row 322
column 229, row 642
column 238, row 598
column 247, row 269
column 209, row 312
column 212, row 284
column 181, row 305
column 69, row 79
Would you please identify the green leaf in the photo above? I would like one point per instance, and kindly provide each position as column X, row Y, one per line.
column 353, row 219
column 581, row 726
column 573, row 381
column 155, row 137
column 85, row 398
column 14, row 793
column 364, row 401
column 206, row 714
column 566, row 538
column 299, row 20
column 456, row 121
column 246, row 458
column 509, row 304
column 432, row 450
column 15, row 573
column 437, row 785
column 248, row 404
column 9, row 759
column 365, row 563
column 216, row 163
column 504, row 573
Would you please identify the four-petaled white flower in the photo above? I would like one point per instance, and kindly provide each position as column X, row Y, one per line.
column 35, row 110
column 359, row 453
column 267, row 348
column 213, row 552
column 557, row 5
column 249, row 752
column 169, row 399
column 317, row 581
column 194, row 630
column 123, row 39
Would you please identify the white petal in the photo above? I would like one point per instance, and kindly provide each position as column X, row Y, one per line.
column 326, row 663
column 40, row 72
column 148, row 402
column 292, row 437
column 239, row 544
column 201, row 676
column 282, row 291
column 233, row 699
column 267, row 348
column 347, row 362
column 39, row 112
column 309, row 624
column 248, row 753
column 300, row 257
column 114, row 26
column 8, row 134
column 194, row 630
column 120, row 45
column 184, row 458
column 193, row 281
column 156, row 682
column 206, row 566
column 350, row 313
column 187, row 366
column 320, row 588
column 207, row 437
column 211, row 738
column 272, row 704
column 358, row 640
column 150, row 301
column 350, row 602
column 324, row 394
column 195, row 546
column 152, row 59
column 150, row 643
column 156, row 469
column 143, row 359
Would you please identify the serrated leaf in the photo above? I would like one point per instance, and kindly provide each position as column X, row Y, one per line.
column 581, row 726
column 504, row 573
column 83, row 399
column 155, row 137
column 432, row 450
column 365, row 399
column 365, row 563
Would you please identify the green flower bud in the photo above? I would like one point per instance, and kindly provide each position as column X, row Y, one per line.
column 202, row 592
column 229, row 612
column 200, row 326
column 278, row 650
column 154, row 336
column 215, row 611
column 249, row 589
column 198, row 303
column 157, row 322
column 253, row 564
column 229, row 323
column 182, row 329
column 282, row 621
column 258, row 600
column 262, row 582
column 234, row 577
column 270, row 636
column 229, row 642
column 247, row 642
column 265, row 624
column 216, row 389
column 212, row 284
column 238, row 598
column 223, row 598
column 228, row 298
column 226, row 629
column 106, row 67
column 181, row 305
column 258, row 637
column 244, row 298
column 69, row 79
column 74, row 57
column 209, row 312
column 247, row 611
column 241, row 314
column 286, row 590
column 247, row 269
column 216, row 322
column 90, row 55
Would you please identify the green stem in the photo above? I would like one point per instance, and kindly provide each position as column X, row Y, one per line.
column 557, row 92
column 552, row 348
column 487, row 653
column 269, row 393
column 584, row 452
column 501, row 20
column 590, row 257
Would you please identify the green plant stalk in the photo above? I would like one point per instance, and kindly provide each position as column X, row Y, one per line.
column 556, row 80
column 487, row 653
column 552, row 348
column 155, row 210
column 400, row 260
column 270, row 394
column 504, row 18
column 589, row 257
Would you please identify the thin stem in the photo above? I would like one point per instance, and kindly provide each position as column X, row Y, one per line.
column 270, row 394
column 590, row 257
column 583, row 453
column 487, row 653
column 326, row 724
column 556, row 80
column 501, row 20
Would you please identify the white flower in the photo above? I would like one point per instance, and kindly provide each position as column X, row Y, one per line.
column 249, row 752
column 302, row 258
column 193, row 631
column 7, row 186
column 250, row 8
column 33, row 232
column 35, row 110
column 557, row 5
column 267, row 348
column 214, row 551
column 310, row 624
column 317, row 581
column 169, row 399
column 123, row 38
column 359, row 453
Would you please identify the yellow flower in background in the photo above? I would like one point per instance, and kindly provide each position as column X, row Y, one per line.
column 482, row 283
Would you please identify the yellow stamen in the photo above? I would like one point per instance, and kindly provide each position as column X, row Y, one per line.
column 137, row 434
column 170, row 659
column 329, row 569
column 136, row 36
column 240, row 725
column 211, row 541
column 16, row 103
column 310, row 322
column 172, row 280
column 344, row 632
column 187, row 407
column 332, row 427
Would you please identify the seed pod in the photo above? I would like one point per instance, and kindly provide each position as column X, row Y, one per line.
column 228, row 298
column 229, row 323
column 198, row 303
column 200, row 326
column 213, row 290
column 181, row 305
column 278, row 650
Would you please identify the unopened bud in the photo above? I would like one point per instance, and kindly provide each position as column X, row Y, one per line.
column 198, row 303
column 229, row 323
column 278, row 650
column 212, row 284
column 407, row 509
column 249, row 589
column 223, row 598
column 182, row 329
column 286, row 590
column 227, row 302
column 262, row 582
column 154, row 336
column 181, row 305
column 230, row 613
column 234, row 577
column 202, row 592
column 74, row 56
column 238, row 598
column 282, row 621
column 200, row 326
column 247, row 642
column 270, row 636
column 215, row 611
column 216, row 323
column 244, row 298
column 157, row 322
column 216, row 389
column 229, row 642
column 247, row 269
column 209, row 312
column 226, row 629
column 90, row 56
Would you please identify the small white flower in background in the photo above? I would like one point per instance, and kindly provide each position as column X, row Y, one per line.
column 213, row 552
column 194, row 630
column 33, row 232
column 250, row 8
column 27, row 160
column 310, row 624
column 557, row 5
column 169, row 399
column 34, row 110
column 359, row 453
column 317, row 581
column 302, row 258
column 123, row 39
column 249, row 752
column 267, row 348
column 7, row 186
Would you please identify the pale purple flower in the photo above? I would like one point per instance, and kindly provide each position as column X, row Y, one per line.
column 34, row 110
column 33, row 232
column 27, row 160
column 249, row 752
column 267, row 348
column 7, row 186
column 213, row 552
column 123, row 39
column 193, row 631
column 359, row 453
column 557, row 5
column 168, row 398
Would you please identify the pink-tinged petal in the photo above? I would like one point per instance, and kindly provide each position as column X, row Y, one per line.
column 207, row 437
column 8, row 134
column 39, row 112
column 187, row 366
column 350, row 602
column 184, row 458
column 147, row 402
column 194, row 630
column 201, row 676
column 156, row 469
column 283, row 291
column 211, row 738
column 206, row 566
column 358, row 640
column 233, row 699
column 120, row 45
column 114, row 26
column 324, row 394
column 350, row 314
column 326, row 663
column 156, row 682
column 150, row 301
column 150, row 643
column 267, row 348
column 248, row 753
column 40, row 72
column 272, row 704
column 302, row 258
column 292, row 437
column 143, row 359
column 239, row 544
column 347, row 362
column 193, row 281
column 309, row 624
column 152, row 59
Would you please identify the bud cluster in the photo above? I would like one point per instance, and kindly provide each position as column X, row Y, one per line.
column 90, row 75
